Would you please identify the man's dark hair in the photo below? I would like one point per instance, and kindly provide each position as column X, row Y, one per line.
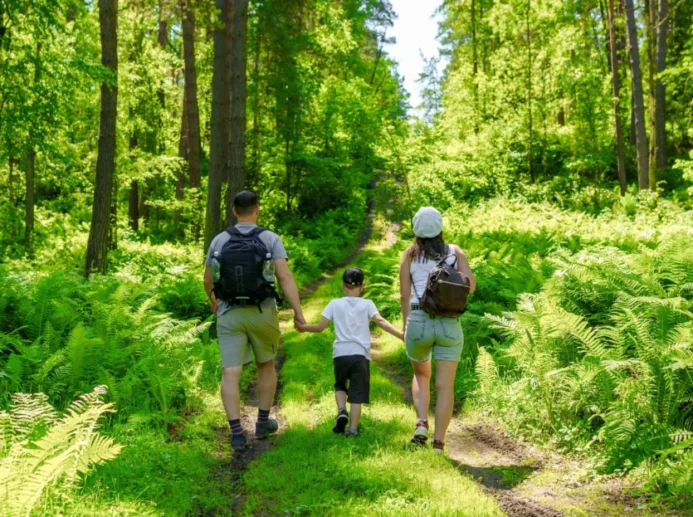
column 245, row 202
column 353, row 277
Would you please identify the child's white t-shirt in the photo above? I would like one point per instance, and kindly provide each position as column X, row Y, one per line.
column 351, row 316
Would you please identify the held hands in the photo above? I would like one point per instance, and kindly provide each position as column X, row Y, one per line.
column 299, row 322
column 214, row 303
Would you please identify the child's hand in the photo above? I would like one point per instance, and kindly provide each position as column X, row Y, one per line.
column 299, row 326
column 401, row 336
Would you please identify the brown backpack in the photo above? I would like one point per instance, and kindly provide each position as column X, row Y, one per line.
column 447, row 291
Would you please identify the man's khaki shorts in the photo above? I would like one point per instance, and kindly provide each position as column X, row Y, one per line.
column 241, row 329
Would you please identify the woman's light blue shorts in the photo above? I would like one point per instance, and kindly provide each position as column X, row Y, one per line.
column 441, row 336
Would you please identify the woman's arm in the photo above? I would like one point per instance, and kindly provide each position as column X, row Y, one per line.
column 463, row 267
column 317, row 328
column 405, row 286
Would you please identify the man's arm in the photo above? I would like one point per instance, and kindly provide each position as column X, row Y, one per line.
column 209, row 288
column 288, row 285
column 387, row 326
column 317, row 328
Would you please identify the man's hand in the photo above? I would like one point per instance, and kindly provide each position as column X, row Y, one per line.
column 299, row 321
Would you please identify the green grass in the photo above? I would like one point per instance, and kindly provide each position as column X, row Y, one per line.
column 314, row 472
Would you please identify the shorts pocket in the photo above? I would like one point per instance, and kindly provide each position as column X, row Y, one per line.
column 452, row 331
column 416, row 327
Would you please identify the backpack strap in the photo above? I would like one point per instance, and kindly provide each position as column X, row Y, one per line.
column 453, row 254
column 233, row 231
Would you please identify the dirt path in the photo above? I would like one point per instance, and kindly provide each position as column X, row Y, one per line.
column 526, row 481
column 231, row 471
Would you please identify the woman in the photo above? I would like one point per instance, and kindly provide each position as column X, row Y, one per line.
column 424, row 335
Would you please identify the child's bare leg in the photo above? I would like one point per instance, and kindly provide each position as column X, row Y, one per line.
column 355, row 417
column 340, row 397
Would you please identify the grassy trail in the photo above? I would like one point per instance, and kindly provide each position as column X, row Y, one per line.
column 311, row 471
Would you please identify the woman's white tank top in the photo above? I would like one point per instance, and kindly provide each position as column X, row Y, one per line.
column 419, row 270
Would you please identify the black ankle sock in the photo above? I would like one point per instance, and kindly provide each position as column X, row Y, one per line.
column 236, row 427
column 342, row 410
column 262, row 415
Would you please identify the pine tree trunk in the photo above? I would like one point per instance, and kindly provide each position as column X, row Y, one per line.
column 133, row 196
column 29, row 200
column 238, row 107
column 660, row 92
column 620, row 153
column 218, row 136
column 228, row 65
column 530, row 162
column 638, row 104
column 193, row 113
column 650, row 17
column 97, row 247
column 255, row 168
column 475, row 69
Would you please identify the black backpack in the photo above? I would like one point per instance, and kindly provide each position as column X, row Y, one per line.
column 447, row 291
column 242, row 259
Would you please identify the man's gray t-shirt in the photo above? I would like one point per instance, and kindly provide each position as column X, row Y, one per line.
column 271, row 241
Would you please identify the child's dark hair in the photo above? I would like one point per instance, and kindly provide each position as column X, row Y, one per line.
column 353, row 277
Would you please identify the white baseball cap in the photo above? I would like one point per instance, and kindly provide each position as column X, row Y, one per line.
column 428, row 222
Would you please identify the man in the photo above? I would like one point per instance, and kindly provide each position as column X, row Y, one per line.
column 243, row 322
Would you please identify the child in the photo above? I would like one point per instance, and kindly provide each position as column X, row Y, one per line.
column 351, row 350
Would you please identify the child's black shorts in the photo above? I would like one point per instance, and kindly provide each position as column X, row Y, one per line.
column 356, row 371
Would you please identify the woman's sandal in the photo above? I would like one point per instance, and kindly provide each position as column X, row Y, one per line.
column 438, row 446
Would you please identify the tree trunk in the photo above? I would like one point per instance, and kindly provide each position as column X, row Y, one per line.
column 529, row 92
column 638, row 105
column 238, row 114
column 193, row 113
column 255, row 168
column 162, row 39
column 97, row 247
column 650, row 17
column 10, row 162
column 660, row 93
column 228, row 66
column 29, row 201
column 133, row 197
column 218, row 136
column 475, row 69
column 620, row 154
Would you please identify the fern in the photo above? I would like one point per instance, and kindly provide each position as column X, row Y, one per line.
column 31, row 466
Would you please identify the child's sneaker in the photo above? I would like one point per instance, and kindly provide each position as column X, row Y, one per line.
column 421, row 433
column 342, row 421
column 352, row 433
column 438, row 447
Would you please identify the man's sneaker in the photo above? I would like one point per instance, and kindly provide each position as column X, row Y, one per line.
column 342, row 421
column 421, row 433
column 352, row 433
column 438, row 447
column 238, row 442
column 262, row 430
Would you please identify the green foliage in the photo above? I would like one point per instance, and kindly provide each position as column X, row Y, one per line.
column 42, row 452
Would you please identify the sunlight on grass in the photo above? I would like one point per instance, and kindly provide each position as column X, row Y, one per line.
column 313, row 471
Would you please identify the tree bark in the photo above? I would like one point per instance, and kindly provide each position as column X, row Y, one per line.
column 255, row 160
column 133, row 196
column 29, row 200
column 475, row 69
column 650, row 17
column 529, row 92
column 620, row 153
column 238, row 107
column 193, row 114
column 228, row 65
column 97, row 247
column 638, row 105
column 218, row 136
column 660, row 92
